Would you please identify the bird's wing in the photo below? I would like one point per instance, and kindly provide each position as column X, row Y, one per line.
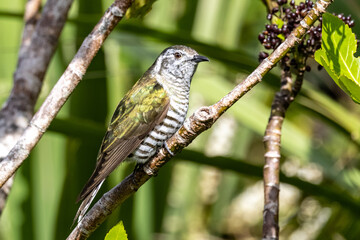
column 142, row 108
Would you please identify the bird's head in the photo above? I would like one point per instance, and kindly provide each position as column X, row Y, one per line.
column 178, row 61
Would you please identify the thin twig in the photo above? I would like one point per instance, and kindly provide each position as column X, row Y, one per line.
column 38, row 45
column 200, row 121
column 62, row 89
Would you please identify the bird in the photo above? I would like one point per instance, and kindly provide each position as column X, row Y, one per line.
column 149, row 114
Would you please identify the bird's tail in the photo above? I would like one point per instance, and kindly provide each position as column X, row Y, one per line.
column 85, row 204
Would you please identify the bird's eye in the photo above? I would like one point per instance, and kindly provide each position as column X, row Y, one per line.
column 177, row 55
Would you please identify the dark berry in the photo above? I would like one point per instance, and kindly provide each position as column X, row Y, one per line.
column 261, row 37
column 275, row 10
column 275, row 28
column 312, row 42
column 273, row 42
column 267, row 45
column 285, row 28
column 263, row 55
column 351, row 23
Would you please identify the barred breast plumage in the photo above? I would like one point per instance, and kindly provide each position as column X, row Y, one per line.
column 173, row 120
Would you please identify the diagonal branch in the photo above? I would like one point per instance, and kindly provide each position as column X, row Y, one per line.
column 200, row 121
column 62, row 89
column 39, row 40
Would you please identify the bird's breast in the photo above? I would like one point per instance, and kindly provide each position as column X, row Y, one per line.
column 173, row 120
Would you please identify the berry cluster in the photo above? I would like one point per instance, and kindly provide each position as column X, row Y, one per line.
column 291, row 15
column 347, row 20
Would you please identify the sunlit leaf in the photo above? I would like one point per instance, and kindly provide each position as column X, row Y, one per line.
column 279, row 23
column 139, row 8
column 117, row 232
column 337, row 55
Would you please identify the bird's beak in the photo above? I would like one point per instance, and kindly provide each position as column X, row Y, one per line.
column 199, row 58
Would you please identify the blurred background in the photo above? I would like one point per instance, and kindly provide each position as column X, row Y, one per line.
column 213, row 189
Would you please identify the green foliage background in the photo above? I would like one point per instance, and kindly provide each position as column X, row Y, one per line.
column 197, row 195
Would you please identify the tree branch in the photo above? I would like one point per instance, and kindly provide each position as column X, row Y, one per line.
column 38, row 45
column 272, row 139
column 200, row 121
column 272, row 142
column 31, row 17
column 62, row 90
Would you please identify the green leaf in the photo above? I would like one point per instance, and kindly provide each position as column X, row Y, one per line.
column 139, row 8
column 337, row 55
column 279, row 23
column 117, row 232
